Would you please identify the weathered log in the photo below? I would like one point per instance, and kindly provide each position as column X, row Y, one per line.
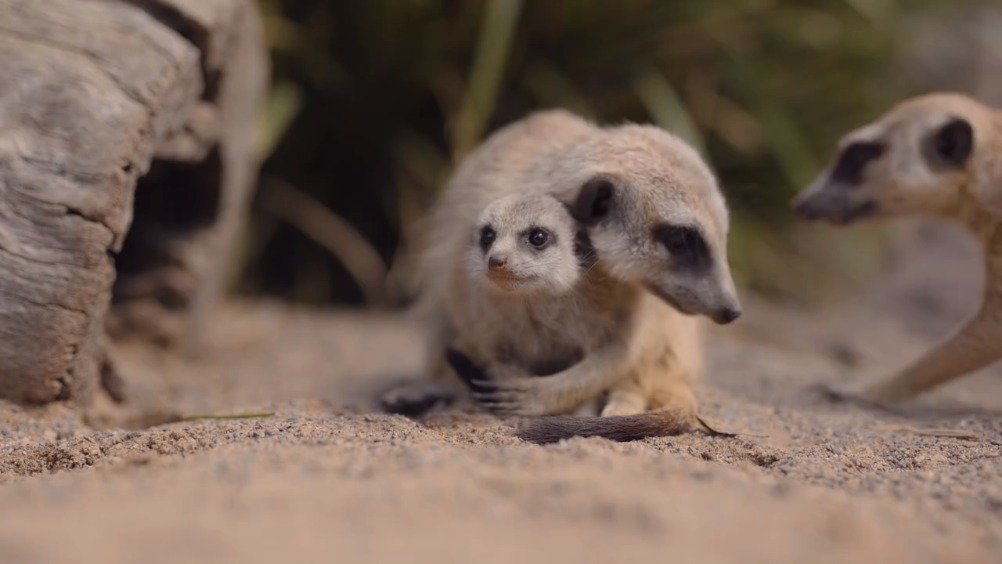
column 97, row 97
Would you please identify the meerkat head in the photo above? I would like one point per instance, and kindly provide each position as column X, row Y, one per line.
column 916, row 159
column 655, row 215
column 525, row 244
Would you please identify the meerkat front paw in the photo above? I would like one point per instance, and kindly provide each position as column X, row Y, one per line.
column 851, row 394
column 622, row 402
column 505, row 390
column 513, row 396
column 416, row 398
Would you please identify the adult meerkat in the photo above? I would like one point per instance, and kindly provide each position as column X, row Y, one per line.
column 657, row 223
column 530, row 300
column 937, row 155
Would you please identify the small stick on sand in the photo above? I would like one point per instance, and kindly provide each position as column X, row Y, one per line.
column 714, row 431
column 200, row 417
column 933, row 432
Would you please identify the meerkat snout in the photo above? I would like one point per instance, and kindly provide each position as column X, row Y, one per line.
column 497, row 262
column 833, row 203
column 727, row 315
column 836, row 195
column 502, row 277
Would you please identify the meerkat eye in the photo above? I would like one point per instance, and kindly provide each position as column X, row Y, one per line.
column 487, row 236
column 539, row 238
column 954, row 142
column 686, row 246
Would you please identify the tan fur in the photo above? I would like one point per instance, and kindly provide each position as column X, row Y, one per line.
column 903, row 181
column 642, row 351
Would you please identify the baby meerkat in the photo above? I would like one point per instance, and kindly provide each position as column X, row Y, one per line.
column 657, row 223
column 517, row 306
column 938, row 155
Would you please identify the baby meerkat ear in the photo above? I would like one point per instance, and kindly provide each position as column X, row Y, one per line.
column 594, row 200
column 953, row 143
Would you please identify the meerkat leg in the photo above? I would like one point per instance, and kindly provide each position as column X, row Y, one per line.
column 675, row 396
column 975, row 346
column 589, row 408
column 476, row 377
column 507, row 389
column 419, row 397
column 415, row 398
column 625, row 400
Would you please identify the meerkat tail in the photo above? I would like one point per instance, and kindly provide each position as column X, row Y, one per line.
column 617, row 428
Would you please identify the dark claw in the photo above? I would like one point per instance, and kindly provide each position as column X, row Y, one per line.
column 473, row 375
column 836, row 394
column 833, row 394
column 496, row 406
column 415, row 407
column 482, row 387
column 842, row 396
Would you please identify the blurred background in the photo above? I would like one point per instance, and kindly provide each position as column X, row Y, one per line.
column 373, row 102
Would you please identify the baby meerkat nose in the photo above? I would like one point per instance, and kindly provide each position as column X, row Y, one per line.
column 497, row 262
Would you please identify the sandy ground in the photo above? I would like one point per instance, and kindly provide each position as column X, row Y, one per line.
column 322, row 475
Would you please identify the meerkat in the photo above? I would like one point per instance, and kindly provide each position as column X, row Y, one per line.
column 534, row 302
column 938, row 155
column 657, row 223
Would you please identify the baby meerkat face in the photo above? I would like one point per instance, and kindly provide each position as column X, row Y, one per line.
column 525, row 244
column 914, row 160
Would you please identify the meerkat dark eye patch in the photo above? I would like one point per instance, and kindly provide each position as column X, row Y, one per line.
column 487, row 236
column 952, row 144
column 852, row 161
column 594, row 200
column 584, row 250
column 686, row 246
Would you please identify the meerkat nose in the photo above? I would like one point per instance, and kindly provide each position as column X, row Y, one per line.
column 805, row 208
column 727, row 315
column 497, row 262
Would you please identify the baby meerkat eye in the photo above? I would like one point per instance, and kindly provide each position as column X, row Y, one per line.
column 539, row 237
column 487, row 236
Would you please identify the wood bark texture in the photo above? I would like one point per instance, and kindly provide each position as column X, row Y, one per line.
column 127, row 156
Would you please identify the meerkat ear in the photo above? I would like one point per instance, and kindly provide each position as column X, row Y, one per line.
column 953, row 143
column 594, row 200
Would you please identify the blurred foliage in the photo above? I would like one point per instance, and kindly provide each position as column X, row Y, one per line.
column 374, row 100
